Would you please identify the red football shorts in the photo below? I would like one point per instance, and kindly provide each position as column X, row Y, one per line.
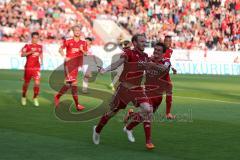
column 123, row 96
column 71, row 69
column 31, row 73
column 155, row 92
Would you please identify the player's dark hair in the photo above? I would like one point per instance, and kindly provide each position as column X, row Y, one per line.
column 135, row 37
column 34, row 34
column 89, row 39
column 168, row 36
column 162, row 45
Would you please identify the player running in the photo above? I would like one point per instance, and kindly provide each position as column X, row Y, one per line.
column 167, row 55
column 155, row 85
column 129, row 90
column 34, row 54
column 73, row 59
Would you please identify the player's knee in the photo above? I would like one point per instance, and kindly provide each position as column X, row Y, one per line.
column 37, row 83
column 74, row 84
column 146, row 107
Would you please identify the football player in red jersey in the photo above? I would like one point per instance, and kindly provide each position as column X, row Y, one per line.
column 33, row 53
column 129, row 90
column 168, row 54
column 156, row 84
column 73, row 59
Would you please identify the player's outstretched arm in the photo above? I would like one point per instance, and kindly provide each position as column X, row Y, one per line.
column 174, row 70
column 113, row 66
column 41, row 59
column 61, row 52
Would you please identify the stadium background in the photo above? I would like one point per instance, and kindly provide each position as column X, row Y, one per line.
column 206, row 37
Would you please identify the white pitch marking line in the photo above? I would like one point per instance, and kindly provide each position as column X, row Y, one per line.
column 205, row 99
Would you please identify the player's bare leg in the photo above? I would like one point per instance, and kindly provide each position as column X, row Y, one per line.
column 24, row 92
column 36, row 92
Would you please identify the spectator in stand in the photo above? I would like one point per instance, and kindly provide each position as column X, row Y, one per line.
column 52, row 19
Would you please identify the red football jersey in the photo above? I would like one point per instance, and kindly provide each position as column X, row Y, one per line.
column 132, row 70
column 32, row 61
column 168, row 53
column 73, row 47
column 153, row 77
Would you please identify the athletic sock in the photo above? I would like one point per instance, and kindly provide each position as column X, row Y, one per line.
column 24, row 89
column 103, row 121
column 136, row 119
column 36, row 91
column 75, row 94
column 63, row 90
column 147, row 130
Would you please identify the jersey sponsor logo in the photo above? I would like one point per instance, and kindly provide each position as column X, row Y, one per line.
column 75, row 50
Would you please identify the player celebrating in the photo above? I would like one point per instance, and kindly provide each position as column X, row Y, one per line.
column 168, row 54
column 156, row 83
column 75, row 49
column 129, row 90
column 33, row 53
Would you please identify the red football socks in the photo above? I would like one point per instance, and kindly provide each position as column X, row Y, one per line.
column 75, row 94
column 136, row 119
column 147, row 130
column 63, row 90
column 36, row 91
column 24, row 89
column 102, row 123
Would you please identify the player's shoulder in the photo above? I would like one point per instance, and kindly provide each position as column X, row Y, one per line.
column 68, row 40
column 82, row 41
column 40, row 45
column 26, row 45
column 127, row 51
column 169, row 50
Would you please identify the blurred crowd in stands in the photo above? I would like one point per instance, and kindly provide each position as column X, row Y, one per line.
column 51, row 18
column 193, row 24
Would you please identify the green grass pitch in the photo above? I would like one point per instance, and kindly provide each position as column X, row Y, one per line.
column 208, row 130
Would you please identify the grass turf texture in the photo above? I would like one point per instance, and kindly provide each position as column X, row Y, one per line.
column 209, row 128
